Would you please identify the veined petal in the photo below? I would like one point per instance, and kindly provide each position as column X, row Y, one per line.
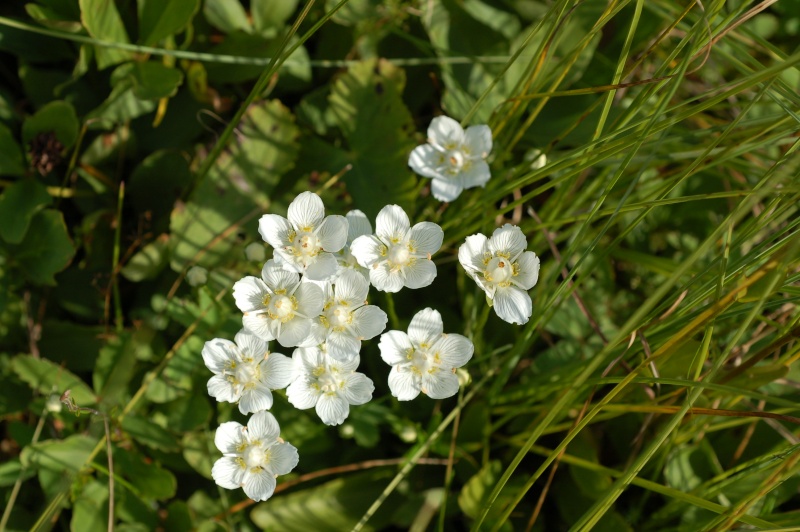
column 276, row 371
column 277, row 277
column 383, row 278
column 344, row 367
column 528, row 270
column 507, row 239
column 251, row 345
column 403, row 384
column 274, row 230
column 316, row 335
column 227, row 473
column 229, row 437
column 306, row 360
column 323, row 268
column 342, row 346
column 367, row 250
column 351, row 288
column 477, row 175
column 512, row 304
column 425, row 160
column 332, row 233
column 306, row 211
column 283, row 458
column 260, row 325
column 369, row 321
column 454, row 350
column 287, row 262
column 263, row 426
column 332, row 409
column 478, row 141
column 302, row 395
column 419, row 273
column 259, row 485
column 445, row 189
column 426, row 327
column 358, row 389
column 470, row 253
column 445, row 132
column 395, row 347
column 249, row 293
column 357, row 225
column 255, row 399
column 427, row 237
column 220, row 389
column 294, row 332
column 440, row 384
column 309, row 300
column 216, row 354
column 392, row 223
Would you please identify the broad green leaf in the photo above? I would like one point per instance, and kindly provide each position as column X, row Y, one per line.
column 148, row 433
column 591, row 483
column 270, row 15
column 19, row 202
column 10, row 470
column 154, row 80
column 49, row 17
column 47, row 378
column 58, row 117
column 159, row 19
column 115, row 365
column 295, row 72
column 150, row 480
column 178, row 516
column 122, row 105
column 45, row 250
column 84, row 341
column 11, row 159
column 369, row 109
column 90, row 511
column 158, row 182
column 199, row 451
column 475, row 492
column 14, row 397
column 190, row 411
column 226, row 15
column 69, row 454
column 148, row 262
column 101, row 19
column 686, row 468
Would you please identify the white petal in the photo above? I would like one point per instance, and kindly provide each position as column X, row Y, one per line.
column 507, row 239
column 227, row 473
column 277, row 277
column 249, row 294
column 263, row 426
column 404, row 384
column 528, row 271
column 258, row 486
column 367, row 250
column 251, row 345
column 294, row 332
column 260, row 325
column 454, row 350
column 369, row 321
column 426, row 327
column 255, row 399
column 358, row 224
column 345, row 367
column 306, row 212
column 332, row 233
column 478, row 140
column 419, row 273
column 425, row 160
column 385, row 279
column 394, row 347
column 283, row 458
column 274, row 230
column 477, row 175
column 288, row 262
column 229, row 437
column 445, row 189
column 220, row 389
column 302, row 395
column 391, row 223
column 440, row 384
column 513, row 305
column 307, row 359
column 342, row 346
column 427, row 237
column 276, row 371
column 358, row 389
column 445, row 132
column 323, row 268
column 216, row 354
column 309, row 300
column 351, row 288
column 332, row 409
column 470, row 253
column 316, row 335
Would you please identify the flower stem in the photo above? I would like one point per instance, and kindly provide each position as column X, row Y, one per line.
column 393, row 319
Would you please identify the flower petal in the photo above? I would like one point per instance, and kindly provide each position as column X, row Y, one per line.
column 445, row 189
column 351, row 288
column 440, row 384
column 277, row 277
column 332, row 233
column 277, row 371
column 427, row 237
column 477, row 175
column 283, row 458
column 454, row 350
column 217, row 354
column 259, row 486
column 260, row 325
column 445, row 132
column 394, row 347
column 419, row 273
column 391, row 223
column 369, row 321
column 251, row 345
column 403, row 384
column 478, row 141
column 342, row 345
column 220, row 389
column 385, row 279
column 255, row 399
column 227, row 473
column 344, row 367
column 229, row 436
column 323, row 268
column 528, row 270
column 309, row 300
column 358, row 224
column 513, row 305
column 470, row 253
column 332, row 409
column 507, row 239
column 306, row 211
column 294, row 332
column 263, row 426
column 425, row 160
column 275, row 230
column 426, row 327
column 248, row 293
column 358, row 389
column 302, row 395
column 367, row 250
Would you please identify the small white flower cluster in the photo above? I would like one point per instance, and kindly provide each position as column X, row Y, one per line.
column 312, row 297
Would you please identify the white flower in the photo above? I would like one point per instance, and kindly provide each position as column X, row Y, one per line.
column 252, row 456
column 425, row 359
column 279, row 306
column 357, row 225
column 245, row 371
column 346, row 318
column 453, row 158
column 398, row 255
column 327, row 384
column 503, row 269
column 306, row 241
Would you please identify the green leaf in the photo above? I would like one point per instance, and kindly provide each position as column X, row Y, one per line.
column 49, row 17
column 148, row 262
column 11, row 159
column 115, row 365
column 150, row 479
column 198, row 447
column 101, row 19
column 190, row 411
column 159, row 19
column 369, row 109
column 58, row 117
column 226, row 15
column 154, row 80
column 475, row 492
column 18, row 204
column 148, row 433
column 90, row 511
column 10, row 470
column 69, row 454
column 591, row 483
column 686, row 468
column 47, row 377
column 270, row 15
column 45, row 250
column 14, row 397
column 165, row 171
column 122, row 105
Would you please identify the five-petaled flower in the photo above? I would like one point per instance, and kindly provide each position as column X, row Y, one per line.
column 253, row 456
column 503, row 269
column 305, row 243
column 425, row 359
column 278, row 306
column 245, row 371
column 398, row 255
column 453, row 158
column 327, row 384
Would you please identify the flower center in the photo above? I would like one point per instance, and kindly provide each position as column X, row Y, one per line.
column 246, row 373
column 338, row 316
column 499, row 270
column 254, row 456
column 306, row 244
column 281, row 308
column 399, row 254
column 455, row 161
column 327, row 383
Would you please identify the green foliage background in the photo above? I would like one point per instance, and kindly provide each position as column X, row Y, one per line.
column 652, row 389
